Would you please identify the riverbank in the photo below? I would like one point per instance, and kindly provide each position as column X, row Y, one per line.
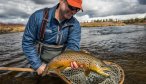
column 144, row 23
column 11, row 28
column 102, row 24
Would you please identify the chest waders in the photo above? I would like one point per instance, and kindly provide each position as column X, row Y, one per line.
column 46, row 51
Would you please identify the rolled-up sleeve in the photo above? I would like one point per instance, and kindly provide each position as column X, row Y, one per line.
column 28, row 42
column 73, row 42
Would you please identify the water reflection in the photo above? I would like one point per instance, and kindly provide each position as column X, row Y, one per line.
column 115, row 39
column 125, row 45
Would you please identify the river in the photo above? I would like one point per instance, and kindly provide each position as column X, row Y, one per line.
column 124, row 45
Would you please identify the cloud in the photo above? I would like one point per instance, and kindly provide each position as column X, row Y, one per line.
column 100, row 8
column 15, row 11
column 143, row 2
column 83, row 18
column 44, row 1
column 115, row 17
column 11, row 13
column 19, row 11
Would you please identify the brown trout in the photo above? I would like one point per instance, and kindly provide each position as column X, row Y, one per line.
column 89, row 63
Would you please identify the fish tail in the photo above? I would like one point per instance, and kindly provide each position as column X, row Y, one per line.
column 106, row 69
column 100, row 71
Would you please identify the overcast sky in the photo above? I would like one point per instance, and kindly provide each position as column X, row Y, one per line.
column 18, row 11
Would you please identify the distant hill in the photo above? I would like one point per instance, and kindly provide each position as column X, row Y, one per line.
column 10, row 27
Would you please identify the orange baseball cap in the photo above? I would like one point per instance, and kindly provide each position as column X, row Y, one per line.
column 75, row 3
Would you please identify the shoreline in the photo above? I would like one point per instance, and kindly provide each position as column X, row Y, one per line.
column 101, row 24
column 13, row 28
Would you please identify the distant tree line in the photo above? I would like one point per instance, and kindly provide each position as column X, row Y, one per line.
column 128, row 21
column 135, row 20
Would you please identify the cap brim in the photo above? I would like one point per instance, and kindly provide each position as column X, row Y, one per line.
column 74, row 4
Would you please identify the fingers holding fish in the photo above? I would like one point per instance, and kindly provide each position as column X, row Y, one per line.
column 74, row 65
column 41, row 69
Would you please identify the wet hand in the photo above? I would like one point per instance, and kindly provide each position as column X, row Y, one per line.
column 41, row 69
column 74, row 65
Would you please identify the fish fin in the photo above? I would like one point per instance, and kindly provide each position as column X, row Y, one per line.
column 85, row 51
column 67, row 68
column 87, row 72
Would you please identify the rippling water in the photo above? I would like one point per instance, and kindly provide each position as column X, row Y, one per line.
column 124, row 45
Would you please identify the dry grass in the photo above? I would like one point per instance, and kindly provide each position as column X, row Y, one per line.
column 102, row 24
column 9, row 28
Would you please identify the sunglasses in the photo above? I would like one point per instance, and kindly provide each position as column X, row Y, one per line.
column 73, row 8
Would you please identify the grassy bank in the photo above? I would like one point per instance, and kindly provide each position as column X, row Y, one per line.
column 9, row 28
column 101, row 24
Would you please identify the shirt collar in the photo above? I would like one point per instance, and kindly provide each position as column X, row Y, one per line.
column 53, row 16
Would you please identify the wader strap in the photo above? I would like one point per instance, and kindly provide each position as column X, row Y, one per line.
column 43, row 27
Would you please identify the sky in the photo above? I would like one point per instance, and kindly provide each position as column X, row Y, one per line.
column 18, row 11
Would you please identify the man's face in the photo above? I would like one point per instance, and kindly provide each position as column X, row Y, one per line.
column 66, row 10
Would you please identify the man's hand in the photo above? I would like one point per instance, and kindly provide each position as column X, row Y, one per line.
column 41, row 69
column 74, row 65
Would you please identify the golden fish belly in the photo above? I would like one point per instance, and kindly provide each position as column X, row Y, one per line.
column 89, row 62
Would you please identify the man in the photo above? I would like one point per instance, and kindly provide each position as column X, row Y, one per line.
column 62, row 29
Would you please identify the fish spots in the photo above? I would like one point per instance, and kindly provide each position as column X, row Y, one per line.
column 88, row 61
